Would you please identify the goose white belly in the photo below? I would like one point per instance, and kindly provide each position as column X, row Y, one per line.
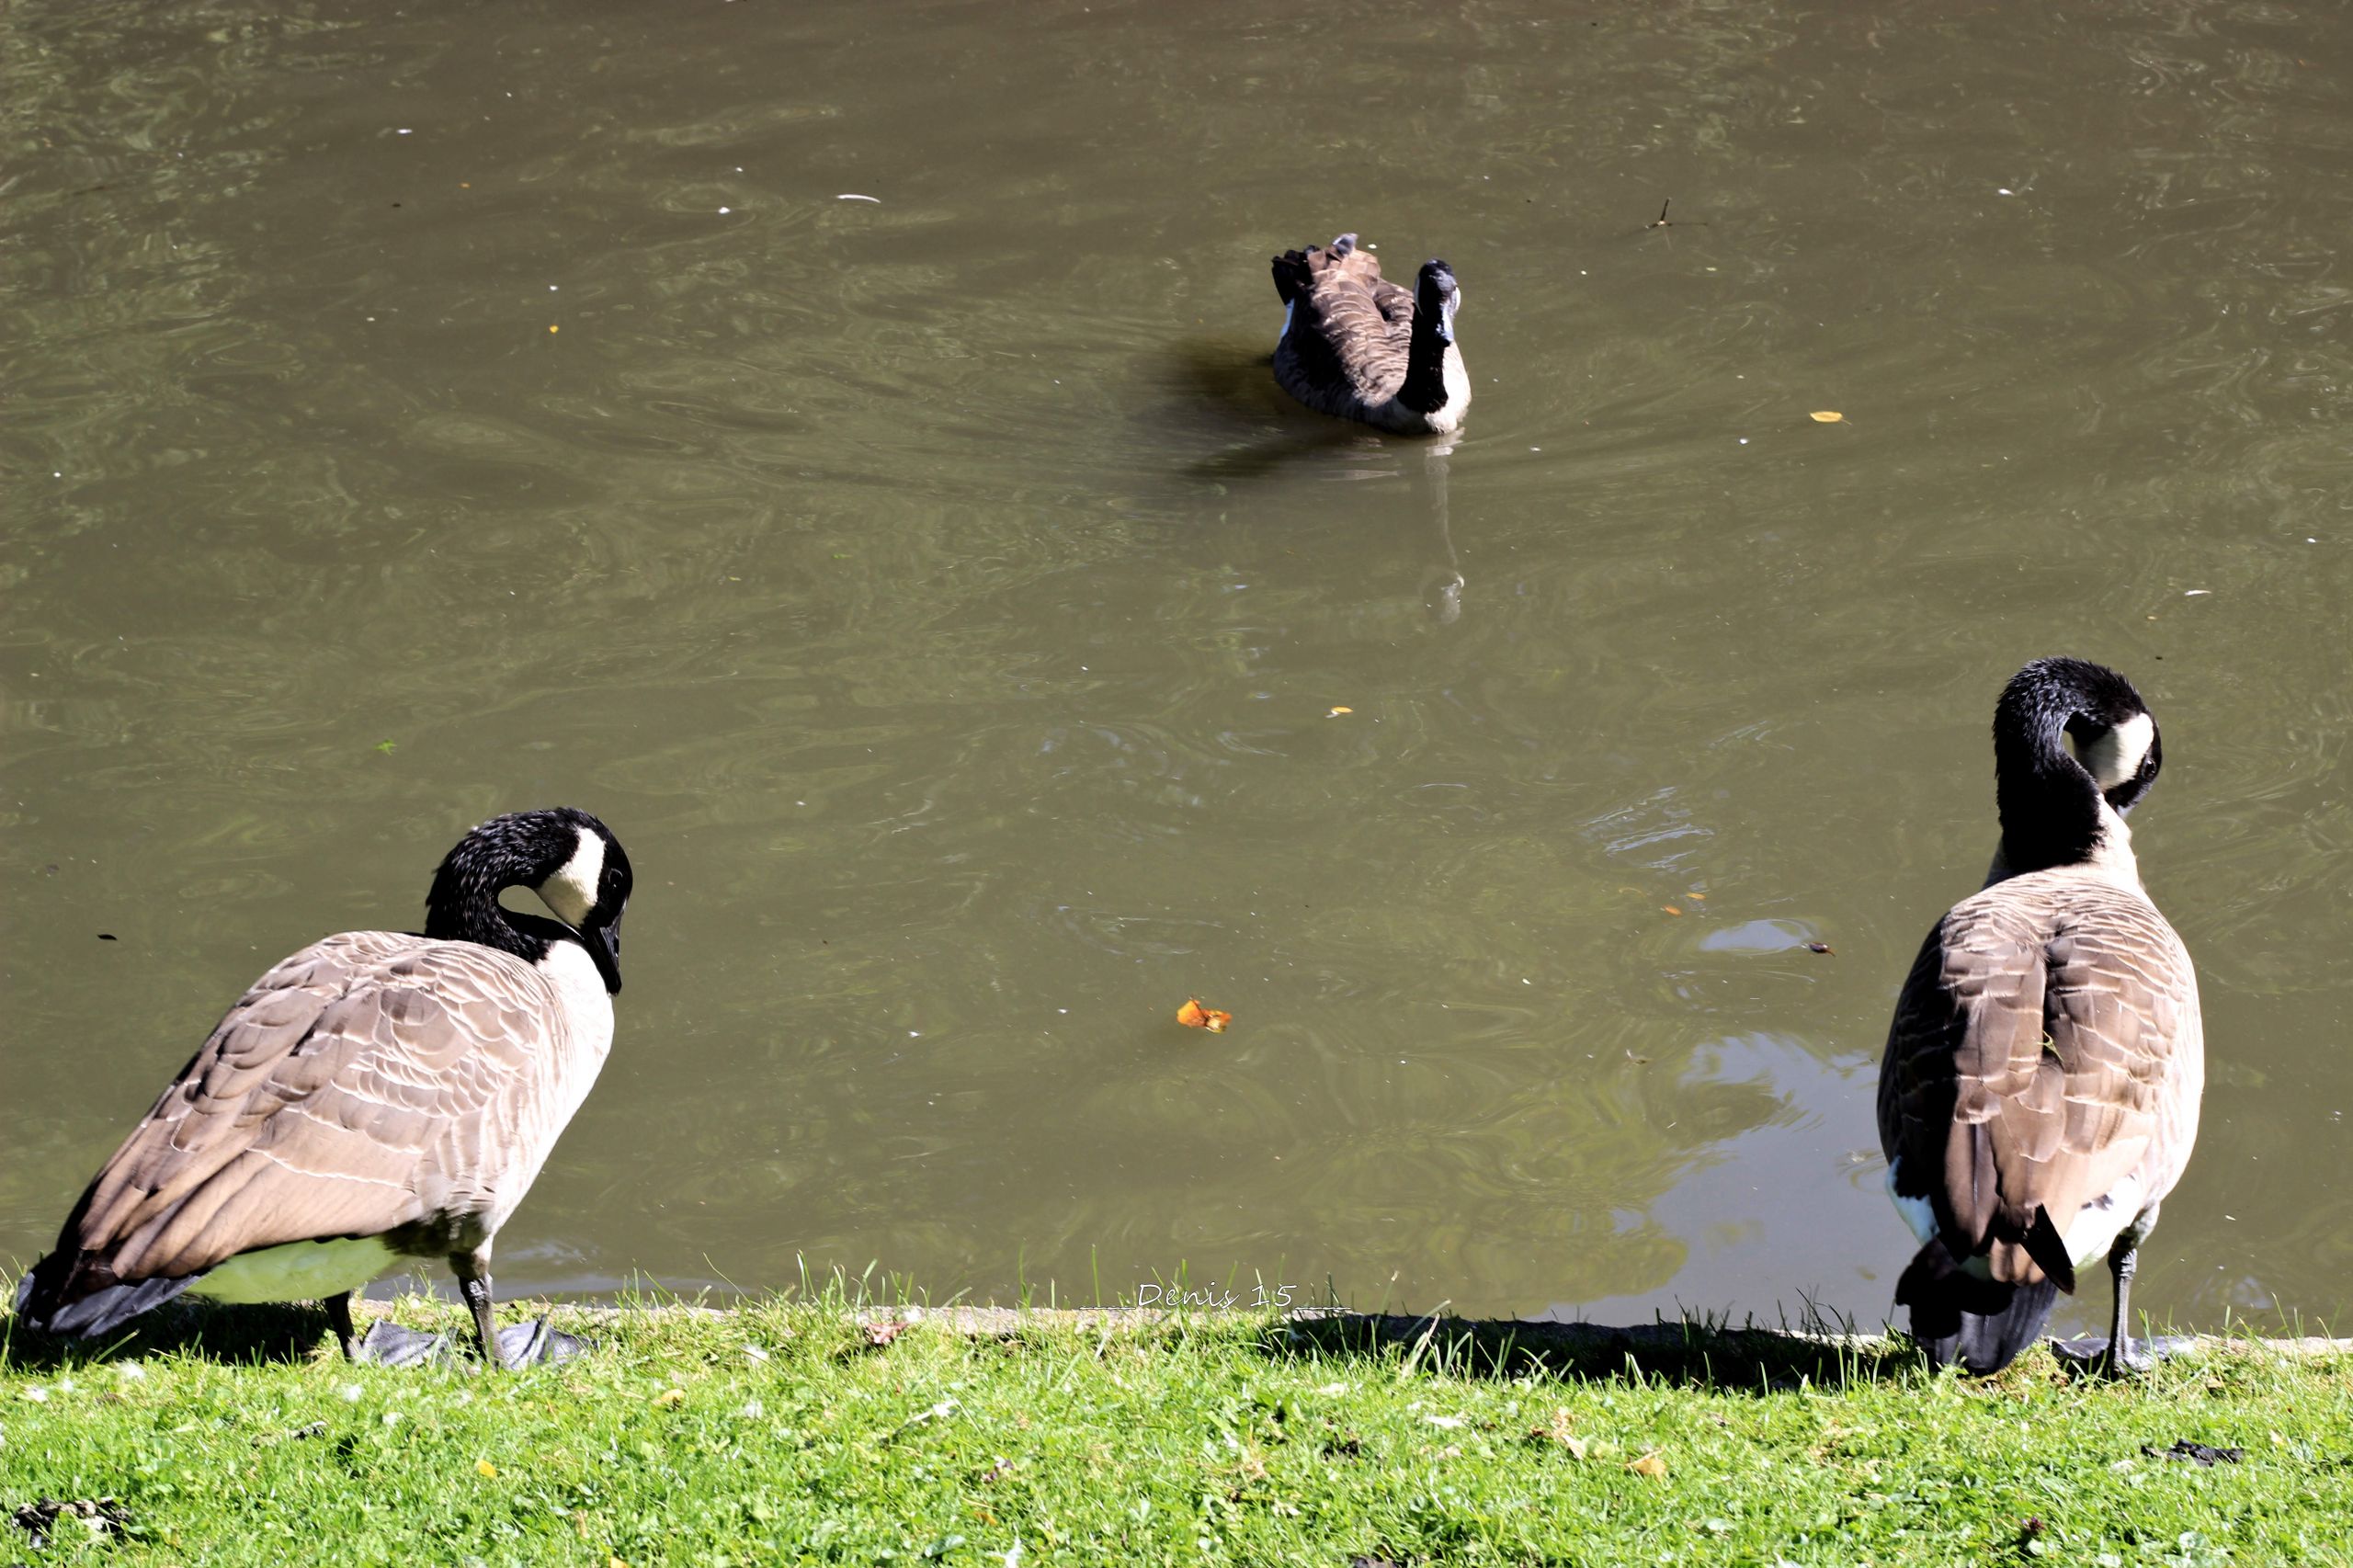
column 2088, row 1237
column 1447, row 416
column 2098, row 1223
column 587, row 1032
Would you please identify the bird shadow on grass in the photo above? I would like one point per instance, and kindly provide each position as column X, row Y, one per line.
column 1692, row 1352
column 239, row 1335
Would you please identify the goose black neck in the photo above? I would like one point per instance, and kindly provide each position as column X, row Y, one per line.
column 1424, row 388
column 2049, row 803
column 463, row 904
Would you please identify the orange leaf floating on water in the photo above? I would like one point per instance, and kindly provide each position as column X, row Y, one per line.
column 1337, row 712
column 1700, row 896
column 1670, row 909
column 1826, row 417
column 1193, row 1016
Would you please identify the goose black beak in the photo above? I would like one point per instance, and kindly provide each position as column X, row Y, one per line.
column 604, row 945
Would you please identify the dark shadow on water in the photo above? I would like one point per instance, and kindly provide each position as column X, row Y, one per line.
column 1221, row 399
column 1691, row 1353
column 1223, row 390
column 1228, row 374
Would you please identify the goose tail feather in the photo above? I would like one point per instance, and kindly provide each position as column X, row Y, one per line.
column 1981, row 1323
column 43, row 1304
column 1294, row 276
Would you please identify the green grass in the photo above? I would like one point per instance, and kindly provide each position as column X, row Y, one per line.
column 779, row 1433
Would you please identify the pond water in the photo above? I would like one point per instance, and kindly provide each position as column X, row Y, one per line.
column 835, row 444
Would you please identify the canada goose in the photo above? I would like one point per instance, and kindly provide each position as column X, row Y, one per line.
column 376, row 1096
column 2039, row 1092
column 1362, row 349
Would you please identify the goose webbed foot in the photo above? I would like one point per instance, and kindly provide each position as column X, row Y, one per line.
column 388, row 1344
column 534, row 1343
column 537, row 1344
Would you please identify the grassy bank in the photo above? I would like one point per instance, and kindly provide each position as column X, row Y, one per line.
column 798, row 1433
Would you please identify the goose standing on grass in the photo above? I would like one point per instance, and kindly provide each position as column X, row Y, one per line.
column 376, row 1096
column 1361, row 348
column 2039, row 1094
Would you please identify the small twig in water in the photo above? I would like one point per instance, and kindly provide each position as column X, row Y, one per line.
column 1663, row 221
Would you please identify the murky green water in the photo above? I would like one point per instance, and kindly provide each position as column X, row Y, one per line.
column 411, row 415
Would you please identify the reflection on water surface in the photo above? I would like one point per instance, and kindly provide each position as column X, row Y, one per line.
column 416, row 415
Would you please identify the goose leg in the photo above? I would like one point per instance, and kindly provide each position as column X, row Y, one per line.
column 2117, row 1355
column 472, row 1269
column 2123, row 1262
column 518, row 1345
column 339, row 1318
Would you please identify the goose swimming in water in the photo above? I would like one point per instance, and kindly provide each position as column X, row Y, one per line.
column 1361, row 348
column 377, row 1096
column 2039, row 1094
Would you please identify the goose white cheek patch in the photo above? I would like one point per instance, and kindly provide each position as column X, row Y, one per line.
column 2116, row 757
column 1917, row 1212
column 571, row 891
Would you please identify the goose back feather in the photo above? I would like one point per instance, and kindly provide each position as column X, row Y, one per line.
column 1358, row 346
column 2039, row 1092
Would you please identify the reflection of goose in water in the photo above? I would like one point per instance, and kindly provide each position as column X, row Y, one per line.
column 1358, row 346
column 2039, row 1092
column 376, row 1096
column 1441, row 588
column 1345, row 458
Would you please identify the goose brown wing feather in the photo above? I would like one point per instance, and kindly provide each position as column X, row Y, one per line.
column 1343, row 314
column 1349, row 332
column 2045, row 1051
column 1395, row 305
column 363, row 1084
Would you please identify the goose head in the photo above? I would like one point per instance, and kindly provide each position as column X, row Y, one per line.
column 1436, row 298
column 567, row 856
column 2075, row 748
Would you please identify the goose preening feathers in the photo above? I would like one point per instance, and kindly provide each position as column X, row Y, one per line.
column 1358, row 346
column 2039, row 1092
column 376, row 1096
